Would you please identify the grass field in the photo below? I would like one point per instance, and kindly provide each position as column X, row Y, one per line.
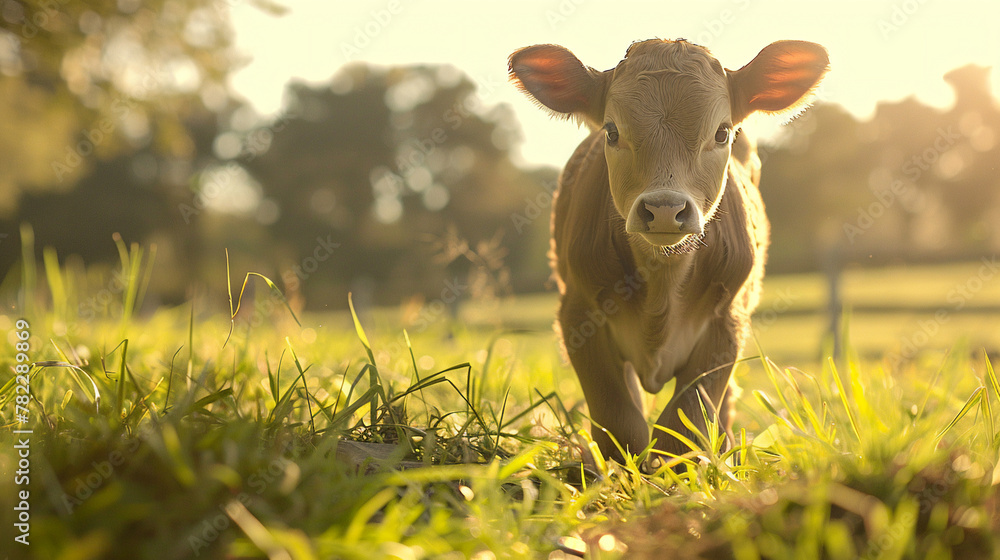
column 248, row 439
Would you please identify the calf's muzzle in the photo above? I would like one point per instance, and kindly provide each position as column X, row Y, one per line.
column 665, row 214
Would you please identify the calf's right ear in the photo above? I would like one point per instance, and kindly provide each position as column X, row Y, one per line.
column 557, row 80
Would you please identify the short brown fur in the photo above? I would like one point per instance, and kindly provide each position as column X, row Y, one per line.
column 643, row 303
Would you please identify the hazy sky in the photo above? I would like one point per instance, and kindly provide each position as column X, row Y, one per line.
column 879, row 49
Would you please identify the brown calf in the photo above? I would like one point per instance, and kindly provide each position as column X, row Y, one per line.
column 658, row 232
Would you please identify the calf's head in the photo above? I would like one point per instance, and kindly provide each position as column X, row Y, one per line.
column 669, row 112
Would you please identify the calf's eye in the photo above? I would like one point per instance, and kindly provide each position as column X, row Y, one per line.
column 723, row 134
column 611, row 131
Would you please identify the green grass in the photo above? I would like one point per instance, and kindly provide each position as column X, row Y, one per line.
column 220, row 439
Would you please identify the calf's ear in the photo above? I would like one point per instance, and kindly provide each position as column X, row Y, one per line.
column 557, row 80
column 778, row 80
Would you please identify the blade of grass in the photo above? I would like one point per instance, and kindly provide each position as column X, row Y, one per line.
column 239, row 300
column 680, row 437
column 143, row 399
column 120, row 382
column 205, row 401
column 931, row 385
column 360, row 330
column 566, row 424
column 521, row 460
column 818, row 426
column 743, row 447
column 974, row 399
column 350, row 409
column 131, row 260
column 170, row 379
column 305, row 386
column 991, row 376
column 769, row 369
column 469, row 408
column 845, row 401
column 766, row 403
column 53, row 276
column 282, row 405
column 189, row 371
column 531, row 407
column 706, row 443
column 416, row 373
column 340, row 392
column 374, row 380
column 865, row 409
column 147, row 275
column 988, row 415
column 38, row 366
column 424, row 383
column 75, row 372
column 29, row 272
column 361, row 518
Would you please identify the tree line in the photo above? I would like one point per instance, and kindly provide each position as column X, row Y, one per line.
column 399, row 182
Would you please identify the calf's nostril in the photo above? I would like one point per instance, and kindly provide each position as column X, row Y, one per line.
column 659, row 214
column 684, row 215
column 664, row 212
column 645, row 215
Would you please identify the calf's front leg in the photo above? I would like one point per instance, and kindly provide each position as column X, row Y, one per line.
column 715, row 355
column 603, row 377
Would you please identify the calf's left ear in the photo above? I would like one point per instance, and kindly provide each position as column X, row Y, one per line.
column 778, row 80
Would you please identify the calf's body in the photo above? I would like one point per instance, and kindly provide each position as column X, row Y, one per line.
column 658, row 231
column 632, row 317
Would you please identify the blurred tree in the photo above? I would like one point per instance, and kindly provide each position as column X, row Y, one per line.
column 968, row 169
column 898, row 216
column 83, row 80
column 379, row 162
column 137, row 194
column 103, row 102
column 813, row 179
column 911, row 183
